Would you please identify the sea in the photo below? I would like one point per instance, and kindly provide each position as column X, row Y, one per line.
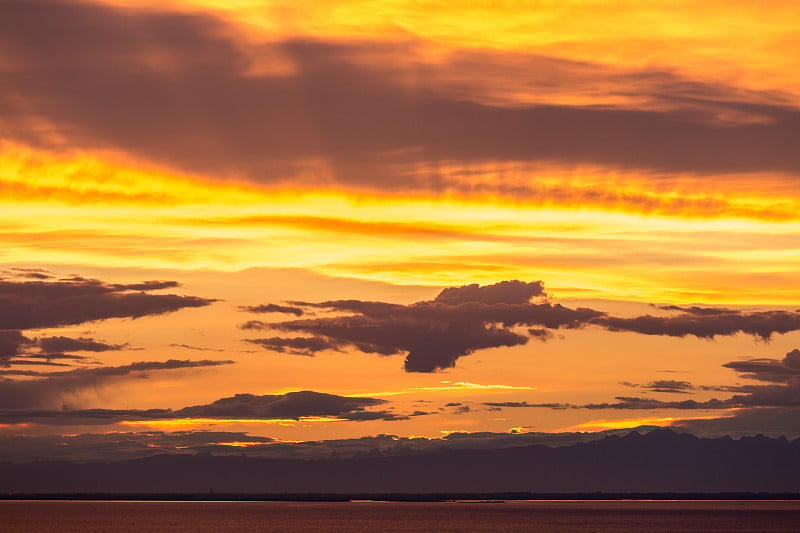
column 366, row 516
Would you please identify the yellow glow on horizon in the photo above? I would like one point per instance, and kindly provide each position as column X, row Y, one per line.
column 448, row 432
column 447, row 386
column 240, row 444
column 601, row 425
column 664, row 421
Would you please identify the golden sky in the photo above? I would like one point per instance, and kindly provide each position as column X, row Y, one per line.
column 305, row 181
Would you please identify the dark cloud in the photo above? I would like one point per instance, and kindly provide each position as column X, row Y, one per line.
column 122, row 446
column 430, row 346
column 541, row 334
column 782, row 392
column 549, row 405
column 49, row 356
column 628, row 402
column 706, row 323
column 694, row 310
column 769, row 396
column 38, row 304
column 463, row 319
column 664, row 385
column 11, row 341
column 504, row 292
column 82, row 344
column 197, row 348
column 159, row 85
column 784, row 376
column 115, row 446
column 775, row 421
column 773, row 370
column 292, row 405
column 79, row 417
column 38, row 373
column 254, row 324
column 54, row 388
column 28, row 273
column 147, row 286
column 297, row 345
column 16, row 349
column 434, row 333
column 623, row 402
column 273, row 308
column 143, row 366
column 459, row 320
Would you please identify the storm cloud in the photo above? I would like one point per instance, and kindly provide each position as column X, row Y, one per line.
column 274, row 308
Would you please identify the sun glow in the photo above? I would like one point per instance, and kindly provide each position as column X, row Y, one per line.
column 448, row 387
column 240, row 444
column 664, row 421
column 582, row 243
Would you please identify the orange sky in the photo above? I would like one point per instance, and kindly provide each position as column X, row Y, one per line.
column 625, row 154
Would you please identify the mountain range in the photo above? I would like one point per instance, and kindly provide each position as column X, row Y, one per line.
column 657, row 461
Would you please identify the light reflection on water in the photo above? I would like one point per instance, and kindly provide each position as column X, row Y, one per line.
column 278, row 517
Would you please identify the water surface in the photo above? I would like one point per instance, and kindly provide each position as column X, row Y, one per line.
column 279, row 517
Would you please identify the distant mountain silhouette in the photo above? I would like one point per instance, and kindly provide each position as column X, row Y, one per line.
column 659, row 461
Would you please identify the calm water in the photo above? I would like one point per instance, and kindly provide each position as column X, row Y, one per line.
column 277, row 517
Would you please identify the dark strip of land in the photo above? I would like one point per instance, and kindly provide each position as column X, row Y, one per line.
column 403, row 497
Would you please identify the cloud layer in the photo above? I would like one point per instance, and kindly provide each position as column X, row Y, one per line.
column 289, row 406
column 266, row 111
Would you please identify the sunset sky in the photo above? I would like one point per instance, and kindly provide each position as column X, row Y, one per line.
column 241, row 223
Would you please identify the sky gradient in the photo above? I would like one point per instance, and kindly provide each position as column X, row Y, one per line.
column 253, row 223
